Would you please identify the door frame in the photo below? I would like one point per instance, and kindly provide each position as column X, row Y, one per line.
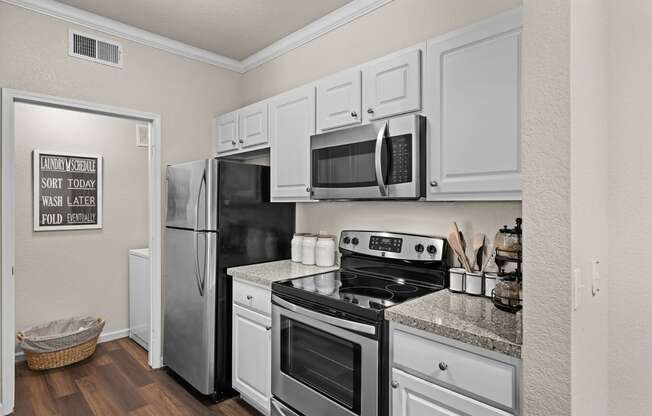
column 7, row 212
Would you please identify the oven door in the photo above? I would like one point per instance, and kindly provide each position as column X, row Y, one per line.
column 381, row 160
column 322, row 365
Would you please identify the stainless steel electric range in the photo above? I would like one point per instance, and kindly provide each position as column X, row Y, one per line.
column 329, row 337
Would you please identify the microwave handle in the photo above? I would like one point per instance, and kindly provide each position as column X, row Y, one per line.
column 378, row 159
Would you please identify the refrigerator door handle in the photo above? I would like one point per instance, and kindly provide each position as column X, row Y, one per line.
column 202, row 184
column 198, row 279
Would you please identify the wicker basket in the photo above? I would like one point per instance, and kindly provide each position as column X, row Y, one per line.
column 60, row 358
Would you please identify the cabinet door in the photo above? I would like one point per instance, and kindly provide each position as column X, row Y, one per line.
column 253, row 126
column 339, row 100
column 226, row 132
column 474, row 112
column 252, row 371
column 292, row 122
column 392, row 86
column 412, row 396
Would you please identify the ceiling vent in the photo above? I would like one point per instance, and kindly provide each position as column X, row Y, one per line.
column 92, row 48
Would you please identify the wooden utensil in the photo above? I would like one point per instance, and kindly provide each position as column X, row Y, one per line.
column 455, row 241
column 478, row 249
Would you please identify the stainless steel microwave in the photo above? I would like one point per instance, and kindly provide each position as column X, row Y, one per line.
column 381, row 160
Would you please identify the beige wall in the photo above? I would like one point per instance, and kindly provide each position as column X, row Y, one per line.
column 186, row 93
column 546, row 208
column 431, row 218
column 589, row 196
column 61, row 274
column 630, row 208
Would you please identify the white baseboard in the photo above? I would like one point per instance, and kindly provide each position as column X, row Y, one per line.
column 104, row 337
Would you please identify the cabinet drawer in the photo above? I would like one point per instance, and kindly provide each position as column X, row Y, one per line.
column 483, row 377
column 253, row 297
column 412, row 396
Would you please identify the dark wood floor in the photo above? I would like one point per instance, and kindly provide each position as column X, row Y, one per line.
column 116, row 380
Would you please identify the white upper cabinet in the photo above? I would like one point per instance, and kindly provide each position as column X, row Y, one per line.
column 291, row 123
column 339, row 100
column 253, row 126
column 226, row 133
column 392, row 86
column 473, row 110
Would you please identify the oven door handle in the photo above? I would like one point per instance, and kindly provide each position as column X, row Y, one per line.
column 378, row 159
column 341, row 323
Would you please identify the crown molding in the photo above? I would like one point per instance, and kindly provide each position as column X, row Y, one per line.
column 319, row 27
column 113, row 27
column 331, row 21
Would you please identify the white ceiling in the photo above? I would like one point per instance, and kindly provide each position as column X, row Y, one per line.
column 231, row 28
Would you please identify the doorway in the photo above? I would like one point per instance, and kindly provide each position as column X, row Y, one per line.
column 12, row 101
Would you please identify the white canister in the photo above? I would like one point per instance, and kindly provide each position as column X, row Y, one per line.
column 474, row 283
column 308, row 250
column 297, row 247
column 325, row 252
column 489, row 283
column 457, row 279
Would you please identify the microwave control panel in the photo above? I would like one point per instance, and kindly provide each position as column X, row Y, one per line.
column 390, row 244
column 400, row 148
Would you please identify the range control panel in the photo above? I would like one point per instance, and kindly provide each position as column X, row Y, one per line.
column 393, row 245
column 379, row 243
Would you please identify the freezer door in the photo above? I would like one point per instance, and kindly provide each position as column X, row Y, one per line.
column 189, row 308
column 191, row 195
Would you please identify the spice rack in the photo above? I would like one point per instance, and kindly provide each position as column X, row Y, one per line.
column 508, row 249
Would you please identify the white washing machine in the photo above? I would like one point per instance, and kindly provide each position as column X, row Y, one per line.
column 139, row 296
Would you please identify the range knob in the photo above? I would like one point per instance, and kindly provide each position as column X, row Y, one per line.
column 355, row 241
column 431, row 249
column 347, row 240
column 419, row 248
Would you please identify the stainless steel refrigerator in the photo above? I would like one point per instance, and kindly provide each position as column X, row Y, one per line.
column 219, row 215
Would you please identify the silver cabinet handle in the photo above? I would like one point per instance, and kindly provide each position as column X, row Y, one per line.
column 267, row 328
column 370, row 110
column 307, row 189
column 249, row 297
column 378, row 157
column 241, row 141
column 354, row 114
column 233, row 142
column 433, row 183
column 394, row 384
column 443, row 366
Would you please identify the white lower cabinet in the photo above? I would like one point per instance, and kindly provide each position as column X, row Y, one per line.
column 252, row 357
column 436, row 376
column 412, row 396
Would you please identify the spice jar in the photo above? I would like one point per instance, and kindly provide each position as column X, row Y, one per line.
column 508, row 242
column 508, row 291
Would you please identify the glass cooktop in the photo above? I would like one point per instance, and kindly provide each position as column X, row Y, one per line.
column 365, row 291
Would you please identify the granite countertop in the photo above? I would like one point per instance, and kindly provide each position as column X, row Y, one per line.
column 470, row 319
column 264, row 274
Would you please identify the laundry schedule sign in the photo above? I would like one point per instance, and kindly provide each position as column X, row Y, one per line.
column 67, row 191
